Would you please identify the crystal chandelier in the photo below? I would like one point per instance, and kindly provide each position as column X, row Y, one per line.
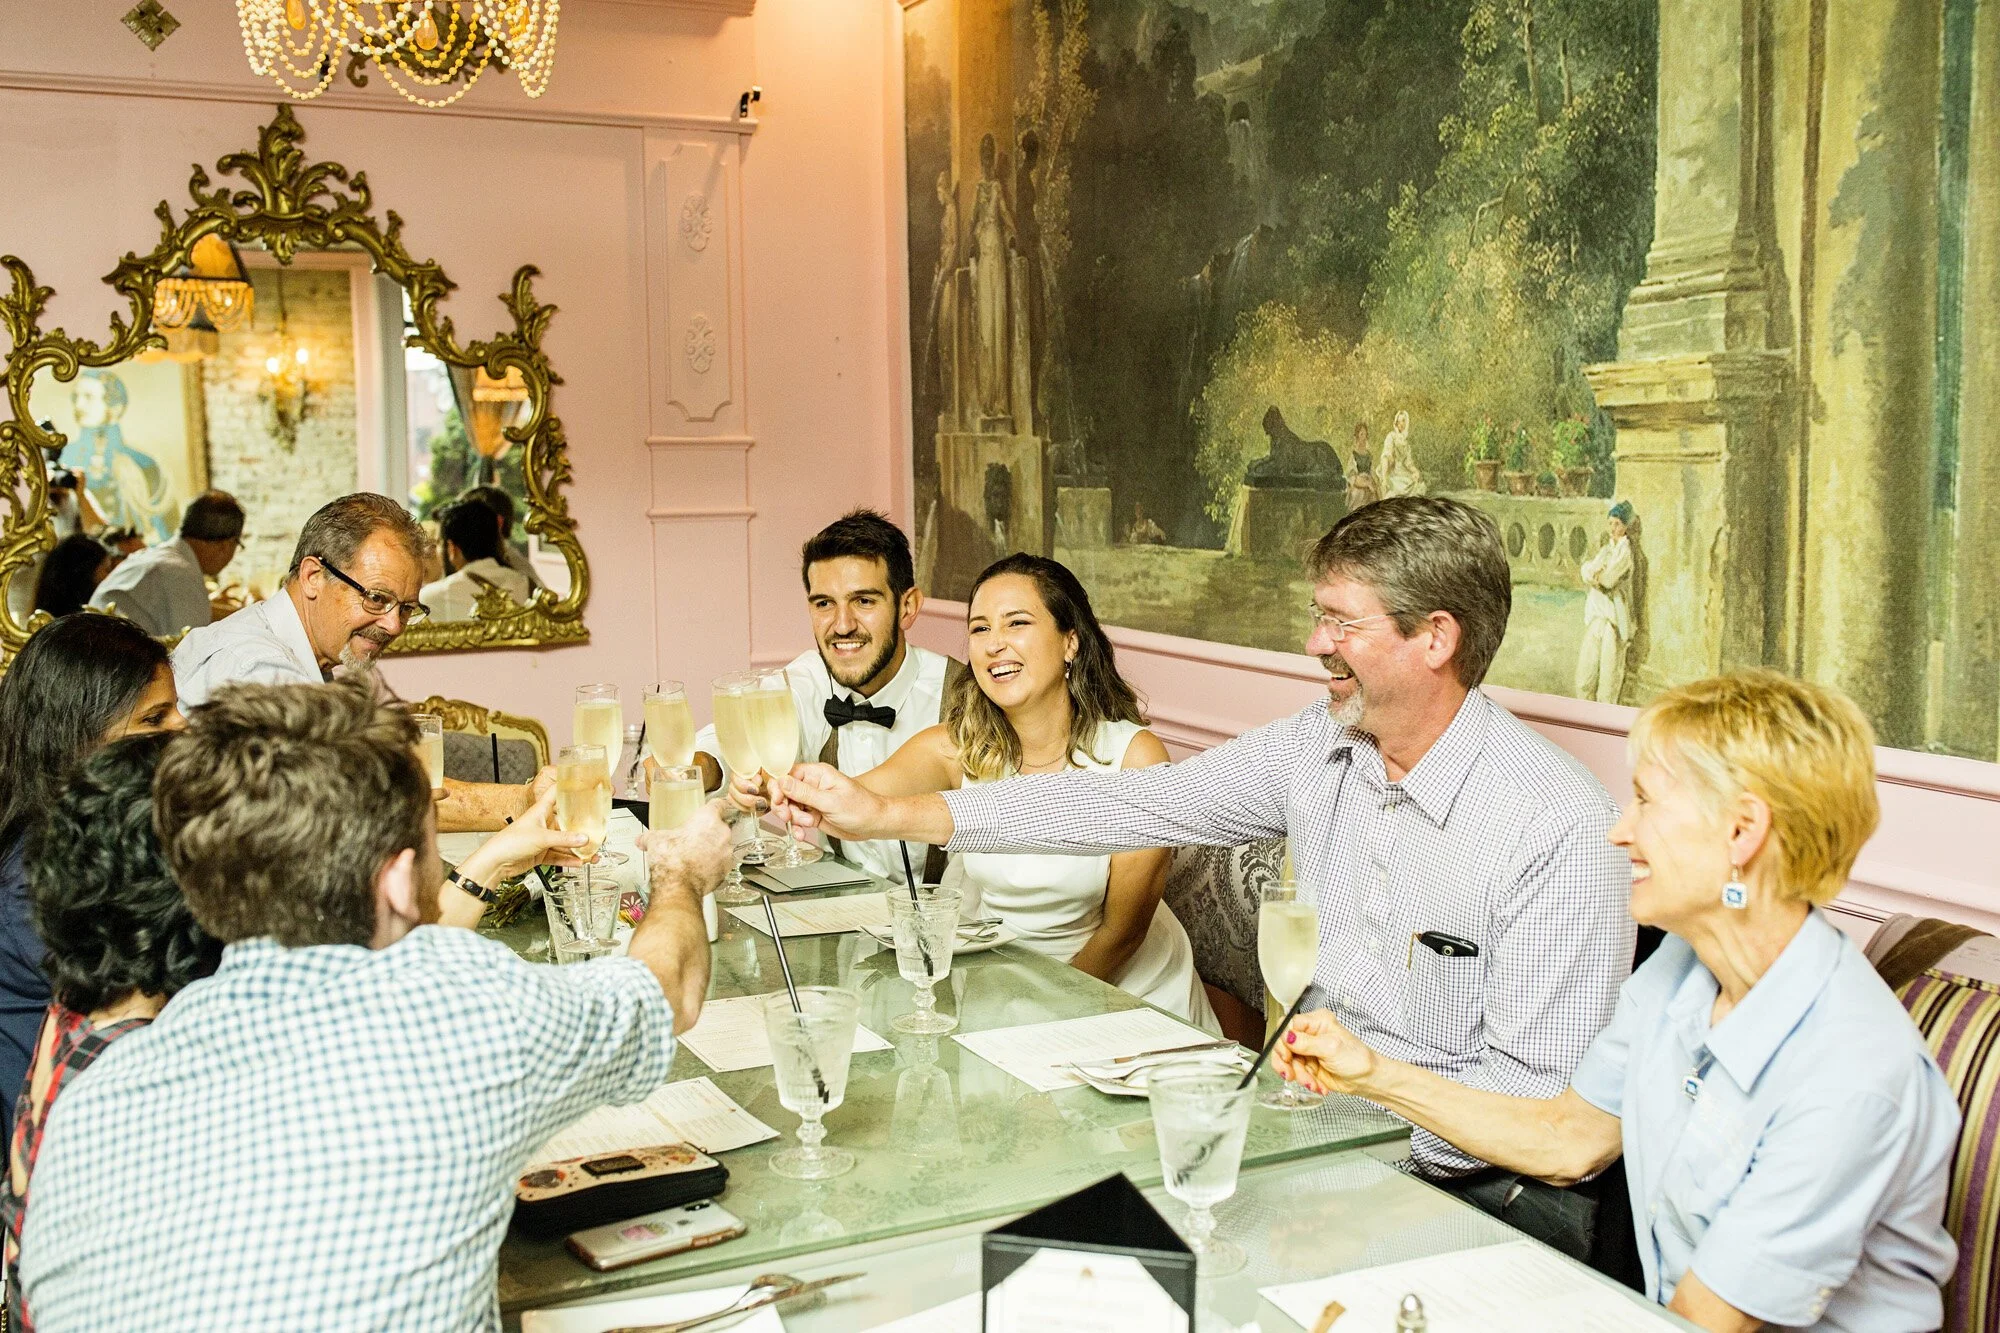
column 419, row 45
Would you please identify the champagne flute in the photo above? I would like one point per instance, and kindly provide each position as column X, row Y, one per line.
column 810, row 1050
column 669, row 725
column 597, row 719
column 673, row 797
column 583, row 796
column 1288, row 953
column 925, row 928
column 757, row 726
column 1201, row 1117
column 430, row 746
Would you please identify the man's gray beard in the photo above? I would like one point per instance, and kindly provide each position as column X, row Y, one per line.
column 874, row 668
column 354, row 666
column 1349, row 714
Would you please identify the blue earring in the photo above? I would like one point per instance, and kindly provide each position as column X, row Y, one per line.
column 1735, row 894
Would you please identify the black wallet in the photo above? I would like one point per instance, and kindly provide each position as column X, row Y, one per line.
column 555, row 1198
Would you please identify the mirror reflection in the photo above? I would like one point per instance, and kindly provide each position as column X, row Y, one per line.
column 281, row 388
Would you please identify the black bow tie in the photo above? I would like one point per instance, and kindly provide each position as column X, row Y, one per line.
column 839, row 712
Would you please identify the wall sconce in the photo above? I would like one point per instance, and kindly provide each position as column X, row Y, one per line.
column 287, row 391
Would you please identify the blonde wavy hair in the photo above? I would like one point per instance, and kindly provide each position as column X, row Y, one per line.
column 1805, row 750
column 987, row 746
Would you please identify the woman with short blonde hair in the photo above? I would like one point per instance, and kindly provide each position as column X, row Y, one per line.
column 1756, row 1036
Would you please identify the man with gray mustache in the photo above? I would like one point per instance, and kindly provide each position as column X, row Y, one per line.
column 1472, row 914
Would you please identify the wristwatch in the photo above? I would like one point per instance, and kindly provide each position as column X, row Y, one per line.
column 473, row 887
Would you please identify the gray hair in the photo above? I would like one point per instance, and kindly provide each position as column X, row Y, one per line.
column 1423, row 554
column 280, row 804
column 213, row 516
column 338, row 528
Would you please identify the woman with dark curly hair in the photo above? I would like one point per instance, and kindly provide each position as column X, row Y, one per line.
column 78, row 684
column 120, row 938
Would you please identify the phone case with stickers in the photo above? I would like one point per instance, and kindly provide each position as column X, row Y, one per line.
column 654, row 1236
column 554, row 1198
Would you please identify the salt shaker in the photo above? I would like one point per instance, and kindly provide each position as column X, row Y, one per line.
column 1410, row 1316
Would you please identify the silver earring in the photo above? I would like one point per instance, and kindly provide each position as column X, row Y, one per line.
column 1735, row 894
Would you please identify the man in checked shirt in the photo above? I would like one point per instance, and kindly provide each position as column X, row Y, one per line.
column 1417, row 808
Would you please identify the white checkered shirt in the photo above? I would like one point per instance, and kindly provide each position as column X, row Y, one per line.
column 1495, row 836
column 327, row 1137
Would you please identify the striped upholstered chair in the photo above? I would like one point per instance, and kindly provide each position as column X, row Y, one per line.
column 1949, row 979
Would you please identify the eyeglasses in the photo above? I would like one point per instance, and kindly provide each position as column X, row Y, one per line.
column 377, row 602
column 1327, row 620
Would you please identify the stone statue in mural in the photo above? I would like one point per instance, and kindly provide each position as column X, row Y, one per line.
column 992, row 233
column 943, row 308
column 1293, row 461
column 126, row 483
column 1607, row 611
column 1398, row 470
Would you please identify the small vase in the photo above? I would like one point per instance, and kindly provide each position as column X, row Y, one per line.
column 1576, row 481
column 1519, row 483
column 1486, row 474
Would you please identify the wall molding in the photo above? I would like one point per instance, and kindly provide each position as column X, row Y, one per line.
column 93, row 85
column 709, row 511
column 742, row 443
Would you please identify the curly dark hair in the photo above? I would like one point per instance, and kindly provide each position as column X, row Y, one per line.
column 108, row 910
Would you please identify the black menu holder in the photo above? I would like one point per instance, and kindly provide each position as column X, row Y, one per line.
column 1109, row 1218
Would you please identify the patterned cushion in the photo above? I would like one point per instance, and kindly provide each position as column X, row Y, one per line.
column 1214, row 891
column 1960, row 1019
column 469, row 758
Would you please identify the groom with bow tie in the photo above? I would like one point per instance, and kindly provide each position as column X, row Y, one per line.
column 865, row 689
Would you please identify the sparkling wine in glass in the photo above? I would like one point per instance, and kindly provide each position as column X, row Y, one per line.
column 669, row 725
column 598, row 719
column 1288, row 953
column 430, row 746
column 1201, row 1117
column 757, row 726
column 583, row 795
column 810, row 1050
column 673, row 797
column 924, row 930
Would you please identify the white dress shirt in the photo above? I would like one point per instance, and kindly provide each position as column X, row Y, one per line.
column 160, row 589
column 264, row 642
column 456, row 595
column 916, row 692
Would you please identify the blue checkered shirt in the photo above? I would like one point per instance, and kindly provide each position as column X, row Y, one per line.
column 327, row 1137
column 1495, row 836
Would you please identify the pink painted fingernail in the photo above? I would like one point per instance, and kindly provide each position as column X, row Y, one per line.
column 1291, row 1039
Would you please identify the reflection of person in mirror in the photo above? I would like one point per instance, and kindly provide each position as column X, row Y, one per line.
column 1607, row 611
column 511, row 554
column 127, row 482
column 471, row 563
column 164, row 588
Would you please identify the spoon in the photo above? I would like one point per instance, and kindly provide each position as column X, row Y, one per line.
column 767, row 1289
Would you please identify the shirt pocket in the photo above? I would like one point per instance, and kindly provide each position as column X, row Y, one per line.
column 1444, row 1003
column 1712, row 1159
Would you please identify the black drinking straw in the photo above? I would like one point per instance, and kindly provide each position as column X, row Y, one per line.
column 1272, row 1044
column 917, row 923
column 494, row 736
column 778, row 943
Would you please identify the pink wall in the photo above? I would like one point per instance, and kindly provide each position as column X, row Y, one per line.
column 691, row 489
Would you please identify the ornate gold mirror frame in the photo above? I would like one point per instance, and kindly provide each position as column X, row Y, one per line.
column 292, row 205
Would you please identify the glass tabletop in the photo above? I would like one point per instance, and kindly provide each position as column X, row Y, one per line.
column 942, row 1137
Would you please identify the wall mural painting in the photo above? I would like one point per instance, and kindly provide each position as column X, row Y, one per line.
column 1189, row 280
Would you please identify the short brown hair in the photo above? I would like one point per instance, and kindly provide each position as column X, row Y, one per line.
column 1805, row 750
column 281, row 803
column 337, row 529
column 1421, row 554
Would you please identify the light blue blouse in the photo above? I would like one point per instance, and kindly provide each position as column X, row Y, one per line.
column 1796, row 1154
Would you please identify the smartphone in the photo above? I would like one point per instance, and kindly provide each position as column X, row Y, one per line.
column 655, row 1235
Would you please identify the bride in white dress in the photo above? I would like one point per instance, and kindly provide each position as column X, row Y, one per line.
column 1044, row 694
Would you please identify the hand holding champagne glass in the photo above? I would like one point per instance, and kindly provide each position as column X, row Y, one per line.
column 757, row 726
column 1288, row 953
column 583, row 796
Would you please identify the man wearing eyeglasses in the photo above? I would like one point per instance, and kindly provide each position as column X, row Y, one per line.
column 351, row 591
column 1472, row 914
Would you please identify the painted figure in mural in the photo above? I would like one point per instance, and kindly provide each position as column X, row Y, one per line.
column 1293, row 461
column 944, row 310
column 1361, row 487
column 1607, row 611
column 1144, row 531
column 1028, row 240
column 1399, row 465
column 127, row 483
column 992, row 234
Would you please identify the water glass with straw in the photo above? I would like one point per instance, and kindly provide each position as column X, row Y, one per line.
column 811, row 1031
